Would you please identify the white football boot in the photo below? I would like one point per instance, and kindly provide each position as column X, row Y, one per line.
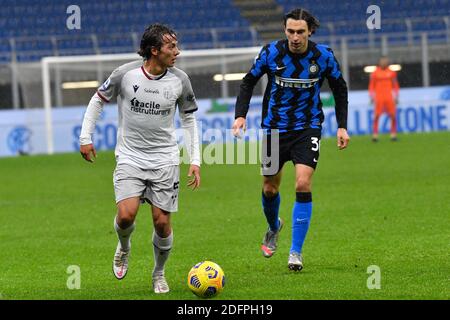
column 160, row 284
column 120, row 262
column 270, row 240
column 295, row 262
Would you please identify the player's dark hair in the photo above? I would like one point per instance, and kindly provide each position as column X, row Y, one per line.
column 153, row 38
column 301, row 14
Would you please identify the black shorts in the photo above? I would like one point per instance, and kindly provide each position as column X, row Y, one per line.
column 300, row 146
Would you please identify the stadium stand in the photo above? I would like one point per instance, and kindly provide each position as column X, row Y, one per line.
column 349, row 18
column 31, row 29
column 114, row 26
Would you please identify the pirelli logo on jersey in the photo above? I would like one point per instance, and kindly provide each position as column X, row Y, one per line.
column 151, row 107
column 295, row 83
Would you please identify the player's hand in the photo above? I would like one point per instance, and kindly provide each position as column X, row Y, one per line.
column 194, row 183
column 342, row 138
column 239, row 124
column 371, row 101
column 86, row 151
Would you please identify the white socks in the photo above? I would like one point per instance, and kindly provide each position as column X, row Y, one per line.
column 161, row 246
column 161, row 250
column 124, row 235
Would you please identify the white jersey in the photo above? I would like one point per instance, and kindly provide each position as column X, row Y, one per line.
column 146, row 132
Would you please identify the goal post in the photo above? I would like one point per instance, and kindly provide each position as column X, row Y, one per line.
column 220, row 61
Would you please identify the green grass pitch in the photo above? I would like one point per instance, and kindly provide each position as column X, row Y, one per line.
column 385, row 204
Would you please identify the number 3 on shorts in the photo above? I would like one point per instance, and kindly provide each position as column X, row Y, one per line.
column 316, row 144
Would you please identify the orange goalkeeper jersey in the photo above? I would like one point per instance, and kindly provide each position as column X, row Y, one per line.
column 383, row 84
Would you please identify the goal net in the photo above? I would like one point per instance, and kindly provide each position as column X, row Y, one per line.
column 72, row 80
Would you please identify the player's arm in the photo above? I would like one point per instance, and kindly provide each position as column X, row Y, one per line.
column 187, row 105
column 395, row 87
column 95, row 107
column 372, row 87
column 190, row 132
column 340, row 92
column 248, row 83
column 91, row 116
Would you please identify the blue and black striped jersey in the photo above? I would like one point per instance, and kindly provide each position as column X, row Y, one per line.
column 291, row 99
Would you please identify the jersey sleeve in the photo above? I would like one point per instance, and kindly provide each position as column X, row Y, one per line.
column 258, row 69
column 187, row 102
column 333, row 69
column 91, row 116
column 395, row 85
column 372, row 85
column 111, row 87
column 339, row 88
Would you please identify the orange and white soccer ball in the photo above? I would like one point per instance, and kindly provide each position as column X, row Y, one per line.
column 206, row 279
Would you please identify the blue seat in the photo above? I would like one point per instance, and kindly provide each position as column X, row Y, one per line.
column 32, row 56
column 117, row 44
column 431, row 25
column 4, row 46
column 73, row 46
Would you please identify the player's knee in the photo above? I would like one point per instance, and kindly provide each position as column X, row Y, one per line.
column 162, row 227
column 125, row 218
column 270, row 190
column 302, row 185
column 159, row 224
column 125, row 221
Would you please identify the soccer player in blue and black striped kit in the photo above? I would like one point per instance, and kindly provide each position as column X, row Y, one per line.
column 292, row 113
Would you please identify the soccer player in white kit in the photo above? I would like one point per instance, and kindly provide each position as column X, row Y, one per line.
column 147, row 154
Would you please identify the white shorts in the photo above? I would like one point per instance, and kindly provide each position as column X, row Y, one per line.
column 158, row 186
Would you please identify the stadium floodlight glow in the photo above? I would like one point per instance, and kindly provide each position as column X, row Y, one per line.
column 369, row 69
column 80, row 84
column 393, row 67
column 229, row 76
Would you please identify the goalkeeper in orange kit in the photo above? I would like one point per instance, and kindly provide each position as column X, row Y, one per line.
column 383, row 90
